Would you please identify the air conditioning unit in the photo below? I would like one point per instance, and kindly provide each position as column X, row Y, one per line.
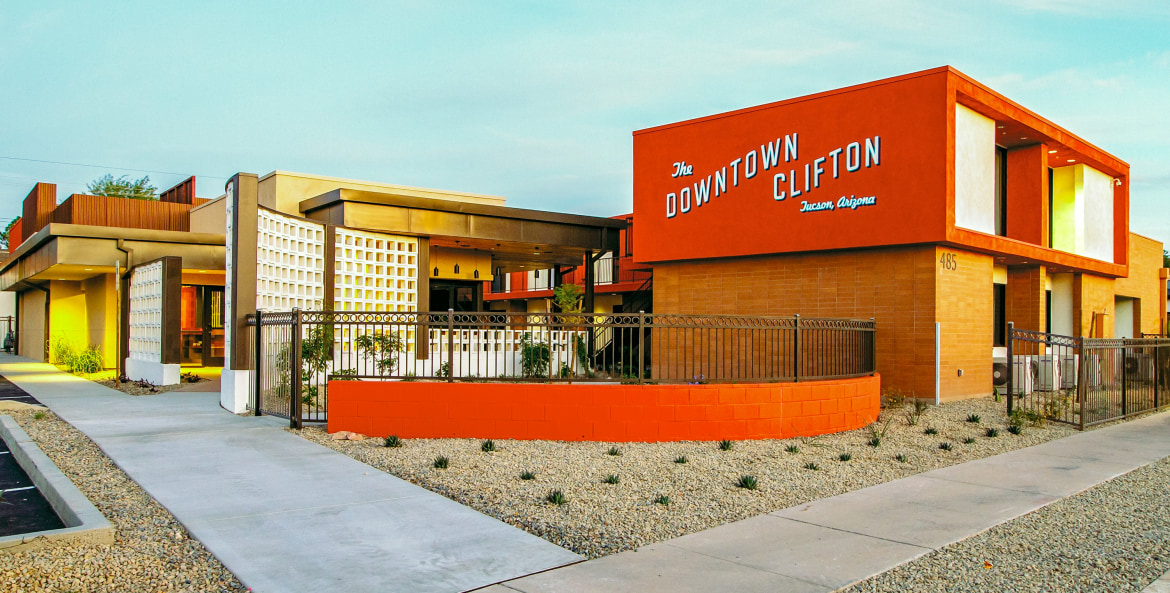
column 1025, row 370
column 1069, row 365
column 1048, row 377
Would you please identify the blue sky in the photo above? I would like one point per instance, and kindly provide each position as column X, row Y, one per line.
column 534, row 101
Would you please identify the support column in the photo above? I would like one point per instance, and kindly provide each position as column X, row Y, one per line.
column 1025, row 297
column 240, row 290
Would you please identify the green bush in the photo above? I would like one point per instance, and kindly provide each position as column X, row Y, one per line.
column 89, row 360
column 534, row 357
column 63, row 352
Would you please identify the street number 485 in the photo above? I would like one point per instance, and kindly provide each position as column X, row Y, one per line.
column 949, row 261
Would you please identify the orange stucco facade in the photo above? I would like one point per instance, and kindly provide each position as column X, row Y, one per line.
column 594, row 412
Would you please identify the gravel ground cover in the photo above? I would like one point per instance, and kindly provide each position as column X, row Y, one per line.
column 1112, row 537
column 151, row 552
column 602, row 518
column 107, row 379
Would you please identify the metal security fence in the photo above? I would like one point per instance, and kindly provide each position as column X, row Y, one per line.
column 1083, row 381
column 541, row 347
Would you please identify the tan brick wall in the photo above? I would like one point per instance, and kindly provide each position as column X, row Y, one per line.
column 894, row 286
column 1144, row 282
column 966, row 310
column 1092, row 306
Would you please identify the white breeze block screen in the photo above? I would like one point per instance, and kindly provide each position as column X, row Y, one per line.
column 375, row 272
column 146, row 303
column 290, row 263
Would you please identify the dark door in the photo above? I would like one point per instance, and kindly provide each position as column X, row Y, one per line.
column 460, row 296
column 213, row 338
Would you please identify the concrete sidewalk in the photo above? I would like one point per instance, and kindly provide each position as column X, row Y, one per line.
column 832, row 543
column 282, row 513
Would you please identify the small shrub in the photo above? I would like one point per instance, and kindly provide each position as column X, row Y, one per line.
column 973, row 418
column 901, row 458
column 1020, row 417
column 344, row 375
column 968, row 440
column 444, row 370
column 612, row 479
column 992, row 432
column 846, row 456
column 792, row 449
column 38, row 416
column 527, row 475
column 1016, row 429
column 875, row 442
column 876, row 434
column 725, row 445
column 892, row 398
column 946, row 446
column 812, row 465
column 614, row 451
column 919, row 409
column 441, row 462
column 556, row 497
column 748, row 482
column 662, row 499
column 931, row 430
column 392, row 441
column 680, row 459
column 487, row 446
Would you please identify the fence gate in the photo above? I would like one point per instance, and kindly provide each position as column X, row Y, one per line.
column 1083, row 381
column 273, row 344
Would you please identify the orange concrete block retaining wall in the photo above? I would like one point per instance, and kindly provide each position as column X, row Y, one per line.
column 584, row 412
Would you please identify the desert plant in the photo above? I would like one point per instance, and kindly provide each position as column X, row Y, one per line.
column 992, row 432
column 381, row 348
column 1020, row 416
column 725, row 445
column 791, row 448
column 748, row 482
column 444, row 370
column 892, row 398
column 901, row 458
column 662, row 499
column 392, row 441
column 345, row 375
column 973, row 418
column 90, row 360
column 487, row 446
column 945, row 446
column 930, row 430
column 441, row 462
column 846, row 456
column 63, row 352
column 680, row 459
column 812, row 465
column 877, row 432
column 916, row 411
column 1016, row 429
column 612, row 479
column 527, row 475
column 38, row 415
column 556, row 497
column 969, row 440
column 614, row 451
column 534, row 357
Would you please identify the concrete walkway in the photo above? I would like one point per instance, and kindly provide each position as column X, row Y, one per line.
column 282, row 513
column 832, row 543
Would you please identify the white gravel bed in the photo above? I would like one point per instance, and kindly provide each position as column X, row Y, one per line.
column 602, row 519
column 1113, row 537
column 151, row 552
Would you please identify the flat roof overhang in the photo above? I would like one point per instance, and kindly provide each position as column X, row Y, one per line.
column 78, row 252
column 516, row 238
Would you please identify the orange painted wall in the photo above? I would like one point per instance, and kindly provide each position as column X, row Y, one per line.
column 583, row 412
column 908, row 114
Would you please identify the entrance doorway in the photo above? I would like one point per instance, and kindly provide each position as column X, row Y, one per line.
column 452, row 294
column 201, row 330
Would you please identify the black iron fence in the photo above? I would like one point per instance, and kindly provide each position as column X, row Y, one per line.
column 541, row 347
column 1083, row 381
